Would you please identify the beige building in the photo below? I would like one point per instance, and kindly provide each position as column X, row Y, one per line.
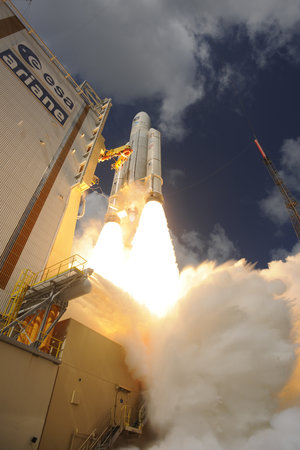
column 51, row 404
column 27, row 383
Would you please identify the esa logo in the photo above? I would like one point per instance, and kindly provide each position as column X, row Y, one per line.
column 34, row 85
column 31, row 59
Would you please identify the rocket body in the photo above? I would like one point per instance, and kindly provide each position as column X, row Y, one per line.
column 139, row 138
column 153, row 175
column 143, row 168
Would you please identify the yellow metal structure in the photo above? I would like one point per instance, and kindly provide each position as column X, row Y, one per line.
column 126, row 418
column 49, row 345
column 126, row 413
column 74, row 262
column 29, row 279
column 122, row 153
column 17, row 295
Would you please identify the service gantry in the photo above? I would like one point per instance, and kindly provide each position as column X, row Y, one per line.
column 290, row 203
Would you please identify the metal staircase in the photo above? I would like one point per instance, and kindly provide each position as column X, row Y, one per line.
column 106, row 439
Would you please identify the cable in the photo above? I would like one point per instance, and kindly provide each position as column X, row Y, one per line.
column 224, row 166
column 246, row 116
column 219, row 169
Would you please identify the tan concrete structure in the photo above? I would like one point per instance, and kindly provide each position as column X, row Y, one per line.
column 27, row 382
column 85, row 396
column 61, row 404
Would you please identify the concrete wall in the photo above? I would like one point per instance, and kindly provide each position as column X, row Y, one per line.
column 85, row 392
column 27, row 381
column 61, row 404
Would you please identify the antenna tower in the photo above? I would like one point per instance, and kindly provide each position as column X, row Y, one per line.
column 290, row 203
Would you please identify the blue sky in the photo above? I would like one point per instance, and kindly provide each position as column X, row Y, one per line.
column 196, row 68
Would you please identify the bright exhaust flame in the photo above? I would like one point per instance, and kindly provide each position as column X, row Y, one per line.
column 149, row 273
column 153, row 274
column 108, row 258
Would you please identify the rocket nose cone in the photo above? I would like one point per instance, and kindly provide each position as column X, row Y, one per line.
column 142, row 114
column 142, row 118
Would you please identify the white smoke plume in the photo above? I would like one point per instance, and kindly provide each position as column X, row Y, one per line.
column 88, row 227
column 191, row 248
column 220, row 360
column 111, row 312
column 220, row 371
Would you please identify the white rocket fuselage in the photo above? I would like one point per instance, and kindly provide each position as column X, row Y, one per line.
column 144, row 164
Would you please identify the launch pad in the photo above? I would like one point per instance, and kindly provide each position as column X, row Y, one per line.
column 56, row 371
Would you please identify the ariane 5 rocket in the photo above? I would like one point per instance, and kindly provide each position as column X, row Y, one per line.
column 142, row 169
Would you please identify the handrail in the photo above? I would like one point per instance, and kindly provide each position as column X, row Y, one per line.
column 91, row 435
column 105, row 423
column 29, row 279
column 98, row 439
column 92, row 440
column 74, row 261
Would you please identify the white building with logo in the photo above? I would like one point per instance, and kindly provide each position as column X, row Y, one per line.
column 50, row 141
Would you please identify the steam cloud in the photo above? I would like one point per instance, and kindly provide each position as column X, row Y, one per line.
column 88, row 228
column 219, row 362
column 220, row 371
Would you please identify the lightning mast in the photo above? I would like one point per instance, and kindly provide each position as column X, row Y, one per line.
column 290, row 203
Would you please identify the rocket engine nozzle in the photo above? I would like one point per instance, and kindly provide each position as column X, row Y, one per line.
column 154, row 196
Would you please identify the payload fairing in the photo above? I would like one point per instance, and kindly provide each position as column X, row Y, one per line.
column 142, row 169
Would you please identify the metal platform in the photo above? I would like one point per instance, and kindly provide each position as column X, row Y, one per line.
column 39, row 300
column 44, row 289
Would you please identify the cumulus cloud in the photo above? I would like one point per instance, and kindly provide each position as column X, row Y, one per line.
column 159, row 50
column 273, row 205
column 282, row 253
column 291, row 158
column 220, row 247
column 191, row 248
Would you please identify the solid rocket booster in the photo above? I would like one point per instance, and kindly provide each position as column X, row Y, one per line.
column 153, row 175
column 139, row 137
column 143, row 165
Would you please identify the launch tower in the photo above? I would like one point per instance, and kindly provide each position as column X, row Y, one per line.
column 290, row 203
column 50, row 143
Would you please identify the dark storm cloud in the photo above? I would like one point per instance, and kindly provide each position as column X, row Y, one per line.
column 154, row 49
